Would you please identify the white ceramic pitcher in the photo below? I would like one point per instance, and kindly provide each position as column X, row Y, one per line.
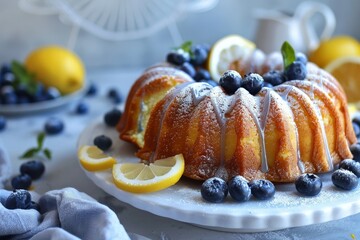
column 275, row 27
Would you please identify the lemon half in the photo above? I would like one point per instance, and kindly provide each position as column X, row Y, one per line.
column 143, row 178
column 94, row 159
column 225, row 51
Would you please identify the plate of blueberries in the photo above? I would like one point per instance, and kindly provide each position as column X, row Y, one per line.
column 19, row 97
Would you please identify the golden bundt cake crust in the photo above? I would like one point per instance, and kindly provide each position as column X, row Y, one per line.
column 298, row 126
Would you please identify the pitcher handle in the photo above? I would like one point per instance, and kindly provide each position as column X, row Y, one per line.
column 305, row 11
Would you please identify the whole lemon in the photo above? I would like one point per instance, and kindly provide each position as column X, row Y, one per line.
column 58, row 67
column 334, row 48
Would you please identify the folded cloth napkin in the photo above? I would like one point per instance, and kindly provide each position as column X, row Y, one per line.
column 64, row 214
column 5, row 166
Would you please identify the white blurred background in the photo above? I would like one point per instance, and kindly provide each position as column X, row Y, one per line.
column 22, row 31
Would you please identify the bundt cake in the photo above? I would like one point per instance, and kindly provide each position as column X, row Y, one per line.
column 298, row 126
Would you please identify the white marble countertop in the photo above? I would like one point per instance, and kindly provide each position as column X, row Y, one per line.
column 64, row 171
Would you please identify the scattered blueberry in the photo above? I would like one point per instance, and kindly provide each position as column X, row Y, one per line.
column 211, row 82
column 296, row 71
column 52, row 93
column 8, row 78
column 112, row 117
column 301, row 57
column 274, row 77
column 115, row 95
column 18, row 199
column 253, row 83
column 262, row 189
column 103, row 142
column 356, row 120
column 188, row 68
column 351, row 165
column 178, row 57
column 344, row 179
column 239, row 189
column 308, row 184
column 355, row 150
column 202, row 74
column 214, row 190
column 230, row 81
column 35, row 169
column 22, row 181
column 54, row 126
column 199, row 55
column 92, row 90
column 2, row 123
column 82, row 108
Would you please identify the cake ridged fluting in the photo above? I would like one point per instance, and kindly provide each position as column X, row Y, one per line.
column 281, row 132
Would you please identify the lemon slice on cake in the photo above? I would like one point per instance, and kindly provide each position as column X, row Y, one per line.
column 225, row 51
column 143, row 178
column 93, row 158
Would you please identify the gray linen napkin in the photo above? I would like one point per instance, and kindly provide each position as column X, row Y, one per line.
column 64, row 214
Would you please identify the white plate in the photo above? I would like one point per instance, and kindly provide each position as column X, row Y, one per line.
column 15, row 109
column 183, row 201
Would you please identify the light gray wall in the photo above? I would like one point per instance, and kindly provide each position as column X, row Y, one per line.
column 21, row 32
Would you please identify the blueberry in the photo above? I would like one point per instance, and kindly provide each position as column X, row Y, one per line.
column 22, row 181
column 82, row 108
column 52, row 93
column 344, row 179
column 115, row 95
column 214, row 190
column 2, row 123
column 202, row 74
column 262, row 189
column 8, row 78
column 178, row 57
column 18, row 199
column 199, row 55
column 351, row 165
column 10, row 98
column 308, row 184
column 92, row 90
column 5, row 68
column 268, row 85
column 103, row 142
column 211, row 82
column 355, row 150
column 356, row 120
column 112, row 117
column 274, row 77
column 35, row 169
column 239, row 189
column 253, row 83
column 39, row 94
column 230, row 81
column 296, row 71
column 54, row 126
column 188, row 68
column 23, row 100
column 301, row 57
column 356, row 129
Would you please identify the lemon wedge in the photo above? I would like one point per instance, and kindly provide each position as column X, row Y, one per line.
column 93, row 158
column 225, row 51
column 347, row 71
column 143, row 178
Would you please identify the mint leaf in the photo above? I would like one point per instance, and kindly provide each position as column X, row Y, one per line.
column 47, row 153
column 23, row 77
column 30, row 153
column 288, row 54
column 186, row 46
column 40, row 140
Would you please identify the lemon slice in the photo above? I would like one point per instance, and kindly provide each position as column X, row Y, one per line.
column 142, row 178
column 347, row 71
column 225, row 51
column 94, row 159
